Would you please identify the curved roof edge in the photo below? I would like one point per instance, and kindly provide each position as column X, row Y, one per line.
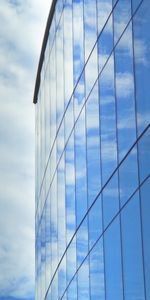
column 38, row 76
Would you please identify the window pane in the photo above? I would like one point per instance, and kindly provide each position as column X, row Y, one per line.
column 141, row 23
column 132, row 250
column 112, row 258
column 145, row 203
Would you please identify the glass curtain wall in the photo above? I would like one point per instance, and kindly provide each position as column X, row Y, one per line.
column 93, row 153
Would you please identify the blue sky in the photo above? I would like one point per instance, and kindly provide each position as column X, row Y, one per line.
column 22, row 24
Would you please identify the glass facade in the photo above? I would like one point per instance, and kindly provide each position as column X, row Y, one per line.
column 93, row 153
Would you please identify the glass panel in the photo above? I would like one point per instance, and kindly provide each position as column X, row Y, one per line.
column 54, row 288
column 122, row 16
column 82, row 242
column 95, row 221
column 104, row 9
column 62, row 278
column 110, row 198
column 59, row 73
column 47, row 112
column 90, row 35
column 70, row 211
column 60, row 144
column 90, row 26
column 78, row 35
column 79, row 97
column 93, row 188
column 83, row 280
column 70, row 189
column 124, row 85
column 80, row 168
column 112, row 258
column 93, row 145
column 46, row 55
column 53, row 163
column 69, row 121
column 71, row 291
column 58, row 11
column 36, row 155
column 91, row 72
column 135, row 5
column 128, row 175
column 105, row 44
column 54, row 235
column 81, row 201
column 49, row 295
column 40, row 164
column 141, row 23
column 97, row 288
column 68, row 51
column 144, row 155
column 61, row 225
column 145, row 203
column 43, row 254
column 132, row 250
column 52, row 34
column 39, row 146
column 39, row 265
column 53, row 95
column 108, row 121
column 48, row 242
column 36, row 266
column 71, row 269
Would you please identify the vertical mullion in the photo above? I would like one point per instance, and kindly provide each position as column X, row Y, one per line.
column 138, row 164
column 120, row 221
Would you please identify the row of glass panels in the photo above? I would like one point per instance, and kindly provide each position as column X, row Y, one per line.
column 122, row 74
column 113, row 269
column 77, row 151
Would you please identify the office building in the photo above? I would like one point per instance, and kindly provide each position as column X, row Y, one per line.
column 92, row 101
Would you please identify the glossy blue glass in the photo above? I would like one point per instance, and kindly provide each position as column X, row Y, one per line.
column 132, row 250
column 145, row 204
column 141, row 36
column 93, row 153
column 113, row 262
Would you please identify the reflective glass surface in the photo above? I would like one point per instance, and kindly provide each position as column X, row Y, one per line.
column 93, row 153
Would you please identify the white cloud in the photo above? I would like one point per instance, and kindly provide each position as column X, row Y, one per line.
column 21, row 34
column 141, row 51
column 104, row 9
column 125, row 84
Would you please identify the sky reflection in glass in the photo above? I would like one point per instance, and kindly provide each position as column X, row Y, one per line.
column 93, row 153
